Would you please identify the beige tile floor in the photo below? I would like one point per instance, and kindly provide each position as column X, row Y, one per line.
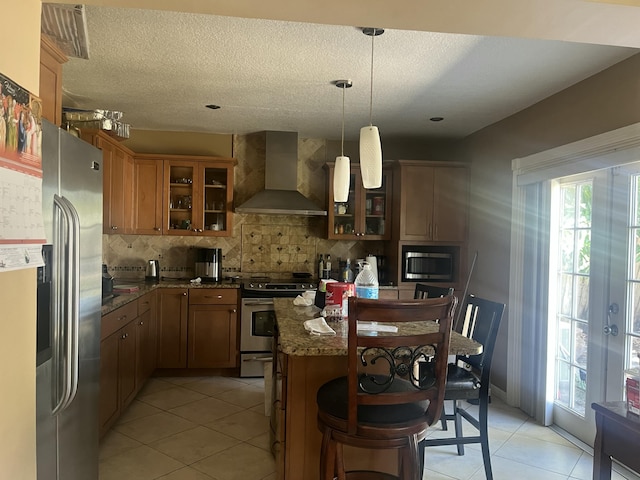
column 214, row 428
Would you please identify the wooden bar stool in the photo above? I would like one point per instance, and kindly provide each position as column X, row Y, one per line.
column 394, row 388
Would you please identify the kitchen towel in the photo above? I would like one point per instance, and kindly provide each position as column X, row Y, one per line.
column 300, row 301
column 318, row 326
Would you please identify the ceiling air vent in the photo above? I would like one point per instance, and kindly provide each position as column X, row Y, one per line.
column 67, row 25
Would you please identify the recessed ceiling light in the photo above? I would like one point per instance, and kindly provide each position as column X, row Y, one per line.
column 436, row 119
column 213, row 107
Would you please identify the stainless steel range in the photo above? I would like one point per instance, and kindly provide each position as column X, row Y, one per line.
column 257, row 320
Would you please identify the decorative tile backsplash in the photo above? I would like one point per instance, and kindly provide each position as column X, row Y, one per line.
column 273, row 245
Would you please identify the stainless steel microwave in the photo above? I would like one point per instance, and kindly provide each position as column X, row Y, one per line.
column 421, row 263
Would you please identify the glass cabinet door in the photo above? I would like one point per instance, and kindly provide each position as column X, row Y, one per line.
column 377, row 204
column 365, row 214
column 214, row 198
column 344, row 214
column 181, row 180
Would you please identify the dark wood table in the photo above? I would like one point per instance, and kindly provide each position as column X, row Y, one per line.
column 617, row 436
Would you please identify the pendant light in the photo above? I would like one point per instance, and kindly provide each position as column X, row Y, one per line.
column 342, row 169
column 370, row 148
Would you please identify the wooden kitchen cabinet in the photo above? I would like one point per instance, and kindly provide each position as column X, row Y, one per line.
column 147, row 195
column 51, row 61
column 127, row 356
column 198, row 195
column 146, row 338
column 117, row 363
column 127, row 363
column 173, row 305
column 366, row 214
column 109, row 404
column 117, row 181
column 431, row 201
column 213, row 328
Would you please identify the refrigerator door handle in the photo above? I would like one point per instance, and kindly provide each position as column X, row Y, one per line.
column 67, row 234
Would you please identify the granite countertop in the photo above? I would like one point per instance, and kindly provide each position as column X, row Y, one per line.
column 295, row 340
column 124, row 298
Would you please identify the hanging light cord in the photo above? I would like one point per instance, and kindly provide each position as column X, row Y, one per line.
column 344, row 86
column 373, row 36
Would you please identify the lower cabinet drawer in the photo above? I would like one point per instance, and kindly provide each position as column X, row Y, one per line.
column 213, row 296
column 114, row 321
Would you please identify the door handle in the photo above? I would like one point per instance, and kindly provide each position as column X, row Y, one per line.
column 611, row 328
column 67, row 228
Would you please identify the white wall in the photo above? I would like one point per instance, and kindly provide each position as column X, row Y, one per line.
column 20, row 38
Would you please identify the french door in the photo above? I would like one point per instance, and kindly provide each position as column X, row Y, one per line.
column 594, row 292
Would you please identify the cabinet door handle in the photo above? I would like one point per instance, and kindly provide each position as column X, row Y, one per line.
column 184, row 294
column 234, row 310
column 141, row 323
column 157, row 229
column 114, row 227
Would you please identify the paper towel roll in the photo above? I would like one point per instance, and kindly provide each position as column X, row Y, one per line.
column 373, row 261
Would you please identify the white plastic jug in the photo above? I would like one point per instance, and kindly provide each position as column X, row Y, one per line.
column 366, row 283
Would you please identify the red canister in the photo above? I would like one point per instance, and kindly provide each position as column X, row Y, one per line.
column 338, row 294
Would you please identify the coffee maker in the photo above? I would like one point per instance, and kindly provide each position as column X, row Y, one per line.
column 209, row 264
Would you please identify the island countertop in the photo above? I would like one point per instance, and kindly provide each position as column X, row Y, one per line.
column 295, row 340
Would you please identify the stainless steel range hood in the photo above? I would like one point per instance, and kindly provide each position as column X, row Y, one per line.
column 281, row 196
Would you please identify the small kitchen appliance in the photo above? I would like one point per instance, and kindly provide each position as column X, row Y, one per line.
column 209, row 264
column 153, row 271
column 107, row 283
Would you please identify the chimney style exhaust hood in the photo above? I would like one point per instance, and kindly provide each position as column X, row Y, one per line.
column 281, row 196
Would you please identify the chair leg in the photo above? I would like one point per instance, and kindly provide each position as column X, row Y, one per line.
column 443, row 417
column 339, row 465
column 421, row 447
column 327, row 456
column 408, row 462
column 458, row 426
column 483, row 410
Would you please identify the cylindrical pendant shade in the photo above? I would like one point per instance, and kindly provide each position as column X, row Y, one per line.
column 341, row 176
column 370, row 157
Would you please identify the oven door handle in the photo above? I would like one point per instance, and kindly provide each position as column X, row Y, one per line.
column 257, row 301
column 258, row 359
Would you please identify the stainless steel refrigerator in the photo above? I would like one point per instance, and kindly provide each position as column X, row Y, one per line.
column 69, row 299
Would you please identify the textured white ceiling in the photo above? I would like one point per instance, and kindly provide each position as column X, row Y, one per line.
column 162, row 67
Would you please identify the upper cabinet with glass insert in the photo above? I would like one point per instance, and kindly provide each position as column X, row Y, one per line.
column 198, row 195
column 366, row 213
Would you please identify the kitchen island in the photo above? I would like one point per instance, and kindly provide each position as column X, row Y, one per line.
column 302, row 363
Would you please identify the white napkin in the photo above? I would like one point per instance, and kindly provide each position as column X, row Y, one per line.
column 318, row 326
column 376, row 327
column 300, row 301
column 196, row 281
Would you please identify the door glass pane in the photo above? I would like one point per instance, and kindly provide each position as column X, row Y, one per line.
column 181, row 197
column 344, row 214
column 572, row 307
column 632, row 353
column 214, row 196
